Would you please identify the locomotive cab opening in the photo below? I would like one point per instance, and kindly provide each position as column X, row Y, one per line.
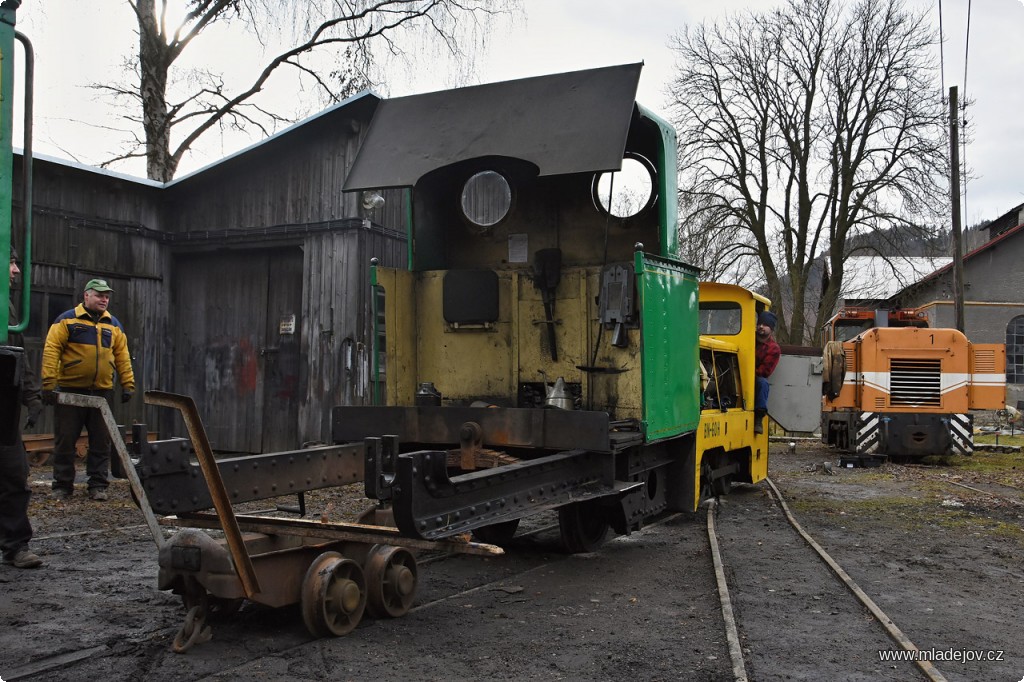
column 524, row 232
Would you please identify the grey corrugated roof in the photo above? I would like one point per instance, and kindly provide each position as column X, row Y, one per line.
column 878, row 278
column 364, row 94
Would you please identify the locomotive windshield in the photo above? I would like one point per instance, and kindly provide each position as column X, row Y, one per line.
column 849, row 330
column 720, row 318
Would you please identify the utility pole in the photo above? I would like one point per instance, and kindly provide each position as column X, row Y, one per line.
column 954, row 190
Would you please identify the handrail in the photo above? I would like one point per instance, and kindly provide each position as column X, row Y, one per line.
column 26, row 190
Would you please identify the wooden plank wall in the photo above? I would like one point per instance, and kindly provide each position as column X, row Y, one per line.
column 87, row 224
column 283, row 182
column 336, row 320
column 285, row 192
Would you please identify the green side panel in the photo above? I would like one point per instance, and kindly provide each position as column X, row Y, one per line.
column 667, row 292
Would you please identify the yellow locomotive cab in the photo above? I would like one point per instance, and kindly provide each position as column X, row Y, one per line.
column 728, row 449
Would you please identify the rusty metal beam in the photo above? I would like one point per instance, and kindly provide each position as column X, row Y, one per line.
column 221, row 502
column 355, row 532
column 176, row 486
column 99, row 403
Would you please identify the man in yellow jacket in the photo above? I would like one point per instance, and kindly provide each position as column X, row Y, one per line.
column 83, row 348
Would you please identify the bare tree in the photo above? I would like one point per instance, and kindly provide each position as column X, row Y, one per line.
column 721, row 255
column 352, row 32
column 804, row 127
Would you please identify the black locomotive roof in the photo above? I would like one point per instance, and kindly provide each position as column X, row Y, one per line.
column 563, row 123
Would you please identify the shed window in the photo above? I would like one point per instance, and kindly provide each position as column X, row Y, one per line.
column 1015, row 351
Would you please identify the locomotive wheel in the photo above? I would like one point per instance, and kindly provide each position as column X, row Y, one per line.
column 706, row 492
column 390, row 581
column 584, row 526
column 497, row 533
column 722, row 484
column 333, row 595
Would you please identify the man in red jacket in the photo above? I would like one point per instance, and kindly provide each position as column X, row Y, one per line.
column 766, row 357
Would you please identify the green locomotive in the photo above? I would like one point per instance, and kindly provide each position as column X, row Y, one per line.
column 542, row 351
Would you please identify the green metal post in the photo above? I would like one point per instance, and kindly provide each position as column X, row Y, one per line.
column 668, row 185
column 8, row 10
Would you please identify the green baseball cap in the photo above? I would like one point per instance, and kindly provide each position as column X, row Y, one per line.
column 97, row 285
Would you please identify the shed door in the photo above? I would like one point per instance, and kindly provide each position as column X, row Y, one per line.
column 236, row 345
column 282, row 369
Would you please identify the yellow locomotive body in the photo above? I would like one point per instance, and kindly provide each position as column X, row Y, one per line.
column 728, row 448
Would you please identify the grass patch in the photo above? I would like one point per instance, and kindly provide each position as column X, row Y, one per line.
column 960, row 520
column 873, row 475
column 1002, row 439
column 985, row 462
column 905, row 514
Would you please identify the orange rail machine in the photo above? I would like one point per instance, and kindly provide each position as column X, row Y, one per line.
column 895, row 387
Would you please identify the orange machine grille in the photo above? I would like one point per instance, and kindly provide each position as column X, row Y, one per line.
column 984, row 360
column 915, row 382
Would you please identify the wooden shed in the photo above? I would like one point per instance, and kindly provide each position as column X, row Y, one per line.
column 243, row 284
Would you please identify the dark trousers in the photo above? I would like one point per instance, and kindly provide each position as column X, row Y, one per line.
column 15, row 529
column 68, row 422
column 761, row 387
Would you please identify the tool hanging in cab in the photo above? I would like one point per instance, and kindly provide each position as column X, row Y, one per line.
column 547, row 273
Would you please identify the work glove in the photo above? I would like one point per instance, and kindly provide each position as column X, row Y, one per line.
column 48, row 396
column 126, row 396
column 33, row 415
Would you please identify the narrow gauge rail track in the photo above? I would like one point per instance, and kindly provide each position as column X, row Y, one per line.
column 837, row 630
column 1002, row 491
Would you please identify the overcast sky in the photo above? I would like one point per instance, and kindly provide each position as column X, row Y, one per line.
column 79, row 42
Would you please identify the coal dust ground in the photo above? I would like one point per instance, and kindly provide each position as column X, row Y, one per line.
column 937, row 546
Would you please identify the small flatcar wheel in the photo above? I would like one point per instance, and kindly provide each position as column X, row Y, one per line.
column 38, row 459
column 497, row 533
column 583, row 525
column 390, row 581
column 333, row 595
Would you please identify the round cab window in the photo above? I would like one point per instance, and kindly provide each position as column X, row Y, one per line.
column 627, row 192
column 486, row 199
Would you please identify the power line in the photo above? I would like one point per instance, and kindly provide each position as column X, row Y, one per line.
column 967, row 45
column 942, row 55
column 963, row 105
